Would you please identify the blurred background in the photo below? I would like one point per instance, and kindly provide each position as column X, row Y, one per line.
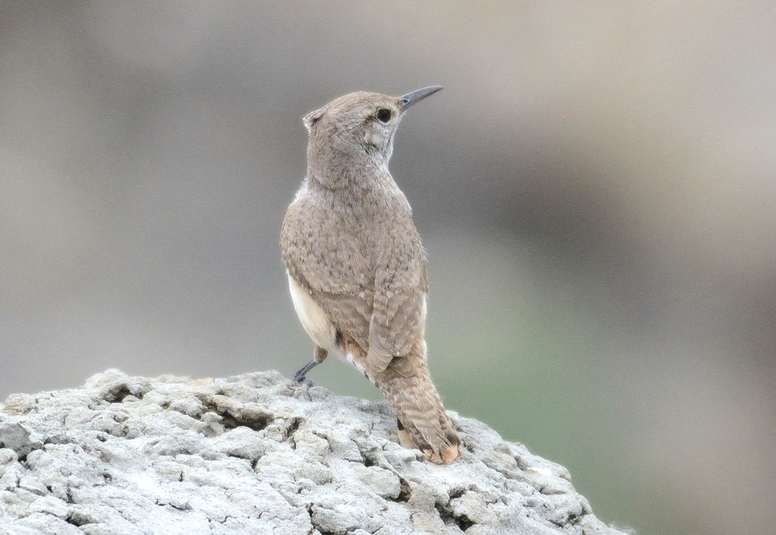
column 596, row 187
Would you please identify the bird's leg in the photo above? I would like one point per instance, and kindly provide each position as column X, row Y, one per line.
column 301, row 373
column 319, row 355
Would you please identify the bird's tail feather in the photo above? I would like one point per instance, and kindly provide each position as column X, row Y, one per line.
column 408, row 388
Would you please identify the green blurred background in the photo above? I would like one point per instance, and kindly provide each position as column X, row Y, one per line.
column 596, row 187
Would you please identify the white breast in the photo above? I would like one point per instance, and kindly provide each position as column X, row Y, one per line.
column 312, row 317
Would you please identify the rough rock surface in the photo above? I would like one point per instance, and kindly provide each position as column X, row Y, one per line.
column 257, row 454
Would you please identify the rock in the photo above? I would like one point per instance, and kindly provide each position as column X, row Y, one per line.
column 15, row 437
column 257, row 453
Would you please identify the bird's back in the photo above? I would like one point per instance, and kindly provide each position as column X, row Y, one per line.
column 337, row 241
column 321, row 248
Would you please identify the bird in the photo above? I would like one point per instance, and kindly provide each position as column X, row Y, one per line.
column 356, row 266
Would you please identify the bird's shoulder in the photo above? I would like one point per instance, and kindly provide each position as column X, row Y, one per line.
column 303, row 222
column 318, row 251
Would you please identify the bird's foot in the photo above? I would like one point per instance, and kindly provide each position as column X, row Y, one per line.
column 301, row 374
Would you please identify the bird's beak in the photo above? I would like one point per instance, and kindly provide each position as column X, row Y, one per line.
column 413, row 97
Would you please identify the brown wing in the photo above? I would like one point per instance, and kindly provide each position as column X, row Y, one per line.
column 399, row 308
column 331, row 267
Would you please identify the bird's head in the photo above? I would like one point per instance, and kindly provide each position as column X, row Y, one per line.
column 357, row 127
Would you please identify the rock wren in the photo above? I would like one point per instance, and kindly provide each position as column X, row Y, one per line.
column 356, row 265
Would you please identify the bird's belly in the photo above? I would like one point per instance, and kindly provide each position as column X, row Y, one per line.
column 312, row 317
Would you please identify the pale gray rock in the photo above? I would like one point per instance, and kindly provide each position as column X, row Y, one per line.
column 15, row 437
column 256, row 454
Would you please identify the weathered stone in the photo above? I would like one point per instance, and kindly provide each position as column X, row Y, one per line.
column 258, row 453
column 15, row 437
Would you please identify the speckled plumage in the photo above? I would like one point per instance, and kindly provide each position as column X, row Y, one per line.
column 356, row 265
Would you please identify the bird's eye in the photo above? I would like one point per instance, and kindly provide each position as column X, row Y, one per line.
column 383, row 115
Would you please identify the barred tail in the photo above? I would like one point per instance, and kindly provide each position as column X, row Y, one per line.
column 423, row 422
